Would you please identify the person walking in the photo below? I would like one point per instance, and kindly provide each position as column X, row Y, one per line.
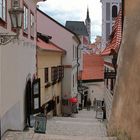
column 94, row 104
column 88, row 104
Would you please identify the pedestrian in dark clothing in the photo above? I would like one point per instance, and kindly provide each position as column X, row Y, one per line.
column 88, row 104
column 94, row 104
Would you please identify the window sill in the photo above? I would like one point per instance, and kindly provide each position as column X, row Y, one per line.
column 54, row 82
column 48, row 84
column 13, row 30
column 25, row 34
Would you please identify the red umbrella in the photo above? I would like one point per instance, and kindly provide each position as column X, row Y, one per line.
column 73, row 100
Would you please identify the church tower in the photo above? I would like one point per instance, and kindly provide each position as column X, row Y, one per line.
column 88, row 24
column 110, row 9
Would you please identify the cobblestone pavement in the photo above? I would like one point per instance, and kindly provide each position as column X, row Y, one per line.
column 82, row 126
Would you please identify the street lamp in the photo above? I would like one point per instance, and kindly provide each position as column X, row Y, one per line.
column 16, row 14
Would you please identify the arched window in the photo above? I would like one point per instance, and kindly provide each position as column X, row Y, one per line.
column 114, row 11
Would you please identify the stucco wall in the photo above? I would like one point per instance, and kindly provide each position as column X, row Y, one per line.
column 48, row 59
column 96, row 90
column 60, row 35
column 17, row 61
column 126, row 105
column 64, row 39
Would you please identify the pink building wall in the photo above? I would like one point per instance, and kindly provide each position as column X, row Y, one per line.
column 18, row 60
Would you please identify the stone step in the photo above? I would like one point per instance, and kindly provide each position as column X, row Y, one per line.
column 76, row 129
column 35, row 136
column 64, row 137
column 75, row 119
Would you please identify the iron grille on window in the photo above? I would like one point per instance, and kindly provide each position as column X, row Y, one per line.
column 60, row 72
column 54, row 74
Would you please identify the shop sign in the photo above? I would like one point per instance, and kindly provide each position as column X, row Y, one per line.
column 36, row 96
column 40, row 123
column 99, row 113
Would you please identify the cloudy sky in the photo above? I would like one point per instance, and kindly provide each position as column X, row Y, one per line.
column 74, row 10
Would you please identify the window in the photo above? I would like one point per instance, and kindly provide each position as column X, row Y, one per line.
column 107, row 11
column 3, row 9
column 54, row 74
column 114, row 11
column 46, row 75
column 107, row 31
column 60, row 72
column 25, row 25
column 32, row 22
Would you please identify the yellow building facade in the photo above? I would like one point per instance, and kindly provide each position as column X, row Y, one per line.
column 50, row 72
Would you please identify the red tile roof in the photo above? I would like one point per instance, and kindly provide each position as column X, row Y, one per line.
column 49, row 46
column 92, row 67
column 116, row 36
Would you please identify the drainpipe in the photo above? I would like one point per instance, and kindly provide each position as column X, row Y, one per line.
column 78, row 64
column 79, row 43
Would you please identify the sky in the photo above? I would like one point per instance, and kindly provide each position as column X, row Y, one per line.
column 75, row 10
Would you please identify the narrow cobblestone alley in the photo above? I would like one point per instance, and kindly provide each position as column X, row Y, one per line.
column 82, row 126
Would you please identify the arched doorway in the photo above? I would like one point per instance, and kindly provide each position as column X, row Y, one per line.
column 27, row 105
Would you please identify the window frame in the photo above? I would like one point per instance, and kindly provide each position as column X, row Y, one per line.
column 25, row 20
column 32, row 25
column 54, row 74
column 3, row 20
column 46, row 74
column 114, row 11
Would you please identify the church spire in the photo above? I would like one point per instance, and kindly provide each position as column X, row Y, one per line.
column 88, row 19
column 88, row 24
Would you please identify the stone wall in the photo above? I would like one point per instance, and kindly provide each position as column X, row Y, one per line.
column 125, row 118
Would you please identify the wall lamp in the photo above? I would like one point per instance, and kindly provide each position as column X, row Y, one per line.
column 16, row 14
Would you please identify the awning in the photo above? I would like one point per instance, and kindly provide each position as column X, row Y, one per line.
column 73, row 100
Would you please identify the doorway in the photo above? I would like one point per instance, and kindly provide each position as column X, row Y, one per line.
column 27, row 104
column 85, row 98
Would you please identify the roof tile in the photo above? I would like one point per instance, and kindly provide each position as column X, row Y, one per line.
column 92, row 67
column 116, row 36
